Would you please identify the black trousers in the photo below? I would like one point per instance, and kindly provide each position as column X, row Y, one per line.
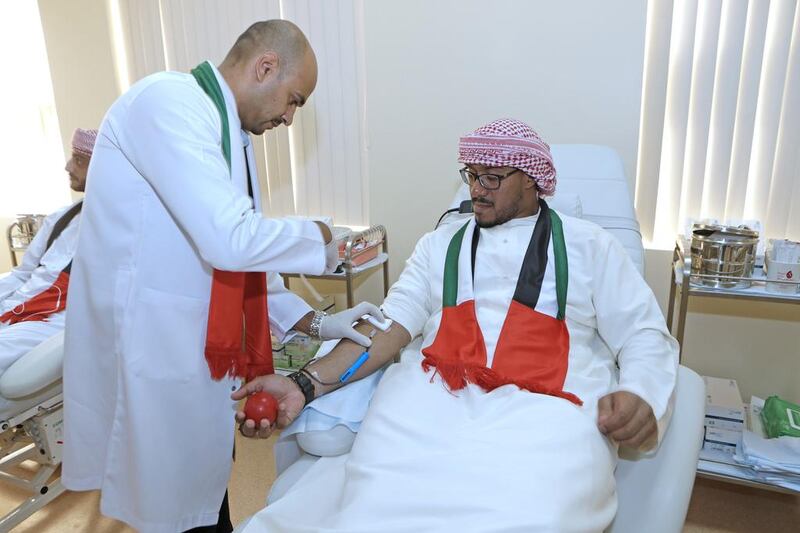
column 223, row 525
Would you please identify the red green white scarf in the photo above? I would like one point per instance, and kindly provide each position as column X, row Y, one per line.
column 237, row 342
column 533, row 348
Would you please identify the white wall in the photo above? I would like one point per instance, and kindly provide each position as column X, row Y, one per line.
column 81, row 66
column 76, row 39
column 437, row 69
column 81, row 62
column 5, row 256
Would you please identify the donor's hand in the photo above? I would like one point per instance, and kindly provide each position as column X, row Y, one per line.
column 628, row 420
column 290, row 402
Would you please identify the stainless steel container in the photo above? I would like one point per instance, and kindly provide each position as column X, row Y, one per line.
column 720, row 252
column 24, row 230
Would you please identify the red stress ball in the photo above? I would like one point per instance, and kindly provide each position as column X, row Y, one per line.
column 260, row 406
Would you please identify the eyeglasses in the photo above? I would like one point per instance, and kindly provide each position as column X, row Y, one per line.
column 490, row 182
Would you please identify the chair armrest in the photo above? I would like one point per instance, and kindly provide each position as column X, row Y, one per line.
column 327, row 443
column 35, row 370
column 654, row 491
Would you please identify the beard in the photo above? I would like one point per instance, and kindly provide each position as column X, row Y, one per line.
column 501, row 216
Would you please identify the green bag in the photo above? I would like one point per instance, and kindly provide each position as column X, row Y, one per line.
column 780, row 418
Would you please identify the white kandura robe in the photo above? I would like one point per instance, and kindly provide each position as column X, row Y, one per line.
column 37, row 272
column 144, row 422
column 427, row 459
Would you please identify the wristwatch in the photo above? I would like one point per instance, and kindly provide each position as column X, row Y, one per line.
column 305, row 385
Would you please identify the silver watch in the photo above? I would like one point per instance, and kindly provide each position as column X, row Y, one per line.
column 316, row 322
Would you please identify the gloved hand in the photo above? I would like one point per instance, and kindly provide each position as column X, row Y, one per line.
column 331, row 256
column 331, row 248
column 340, row 325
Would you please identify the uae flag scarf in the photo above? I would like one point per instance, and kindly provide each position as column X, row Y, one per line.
column 237, row 341
column 533, row 348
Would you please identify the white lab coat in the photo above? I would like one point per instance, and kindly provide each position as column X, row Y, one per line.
column 144, row 421
column 37, row 272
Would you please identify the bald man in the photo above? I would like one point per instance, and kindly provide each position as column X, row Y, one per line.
column 170, row 267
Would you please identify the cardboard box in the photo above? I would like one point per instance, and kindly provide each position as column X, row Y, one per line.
column 723, row 401
column 722, row 436
column 718, row 453
column 721, row 423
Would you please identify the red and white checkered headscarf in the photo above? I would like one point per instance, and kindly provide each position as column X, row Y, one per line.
column 83, row 141
column 510, row 143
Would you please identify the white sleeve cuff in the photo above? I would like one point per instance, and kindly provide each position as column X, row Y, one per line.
column 409, row 317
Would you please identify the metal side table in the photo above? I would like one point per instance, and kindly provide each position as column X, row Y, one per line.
column 350, row 271
column 680, row 281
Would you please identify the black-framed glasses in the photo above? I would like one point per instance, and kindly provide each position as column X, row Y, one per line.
column 490, row 182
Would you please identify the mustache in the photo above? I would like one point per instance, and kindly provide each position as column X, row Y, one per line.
column 480, row 200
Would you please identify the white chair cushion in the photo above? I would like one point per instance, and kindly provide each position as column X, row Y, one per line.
column 568, row 203
column 327, row 443
column 37, row 369
column 596, row 174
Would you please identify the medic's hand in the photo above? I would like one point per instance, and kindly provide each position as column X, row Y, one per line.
column 628, row 420
column 290, row 402
column 331, row 256
column 340, row 325
column 331, row 247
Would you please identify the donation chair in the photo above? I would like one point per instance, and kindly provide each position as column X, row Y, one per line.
column 653, row 489
column 31, row 428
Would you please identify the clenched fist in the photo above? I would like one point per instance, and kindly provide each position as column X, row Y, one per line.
column 628, row 420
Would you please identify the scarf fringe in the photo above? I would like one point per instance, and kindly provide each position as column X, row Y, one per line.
column 457, row 375
column 234, row 363
column 237, row 341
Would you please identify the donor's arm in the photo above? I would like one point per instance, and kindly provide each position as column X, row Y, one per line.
column 323, row 374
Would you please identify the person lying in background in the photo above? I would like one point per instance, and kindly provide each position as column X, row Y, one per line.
column 33, row 296
column 543, row 350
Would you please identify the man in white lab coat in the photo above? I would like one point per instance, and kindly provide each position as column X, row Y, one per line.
column 170, row 263
column 34, row 295
column 542, row 350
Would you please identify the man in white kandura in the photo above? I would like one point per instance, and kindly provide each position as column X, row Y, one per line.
column 170, row 268
column 34, row 295
column 543, row 350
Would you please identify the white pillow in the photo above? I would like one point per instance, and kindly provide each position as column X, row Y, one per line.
column 567, row 203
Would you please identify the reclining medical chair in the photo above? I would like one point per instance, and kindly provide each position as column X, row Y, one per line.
column 31, row 427
column 653, row 489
